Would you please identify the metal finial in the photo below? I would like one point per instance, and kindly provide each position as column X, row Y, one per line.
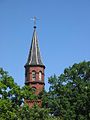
column 34, row 19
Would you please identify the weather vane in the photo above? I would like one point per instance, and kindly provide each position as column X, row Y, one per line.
column 34, row 19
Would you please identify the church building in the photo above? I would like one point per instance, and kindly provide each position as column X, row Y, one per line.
column 34, row 69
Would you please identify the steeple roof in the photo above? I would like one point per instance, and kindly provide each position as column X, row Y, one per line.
column 34, row 57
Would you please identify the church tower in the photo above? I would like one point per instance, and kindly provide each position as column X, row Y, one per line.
column 34, row 68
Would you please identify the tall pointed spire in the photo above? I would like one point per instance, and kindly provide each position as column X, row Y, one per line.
column 34, row 57
column 34, row 69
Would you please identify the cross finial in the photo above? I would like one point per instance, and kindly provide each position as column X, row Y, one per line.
column 34, row 19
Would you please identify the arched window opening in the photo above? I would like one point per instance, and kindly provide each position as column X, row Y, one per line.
column 26, row 73
column 33, row 88
column 40, row 75
column 33, row 75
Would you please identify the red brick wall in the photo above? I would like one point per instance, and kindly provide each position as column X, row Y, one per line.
column 32, row 102
column 38, row 84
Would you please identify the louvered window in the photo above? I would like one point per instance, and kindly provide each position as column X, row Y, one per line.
column 33, row 75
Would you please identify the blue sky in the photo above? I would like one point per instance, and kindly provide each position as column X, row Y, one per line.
column 63, row 32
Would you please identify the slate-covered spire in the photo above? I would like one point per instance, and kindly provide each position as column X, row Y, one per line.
column 34, row 57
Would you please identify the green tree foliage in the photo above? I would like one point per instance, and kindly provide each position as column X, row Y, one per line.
column 68, row 97
column 12, row 105
column 69, row 94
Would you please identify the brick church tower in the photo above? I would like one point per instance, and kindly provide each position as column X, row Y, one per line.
column 34, row 69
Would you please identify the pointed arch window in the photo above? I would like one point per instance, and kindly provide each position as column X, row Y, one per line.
column 33, row 75
column 40, row 75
